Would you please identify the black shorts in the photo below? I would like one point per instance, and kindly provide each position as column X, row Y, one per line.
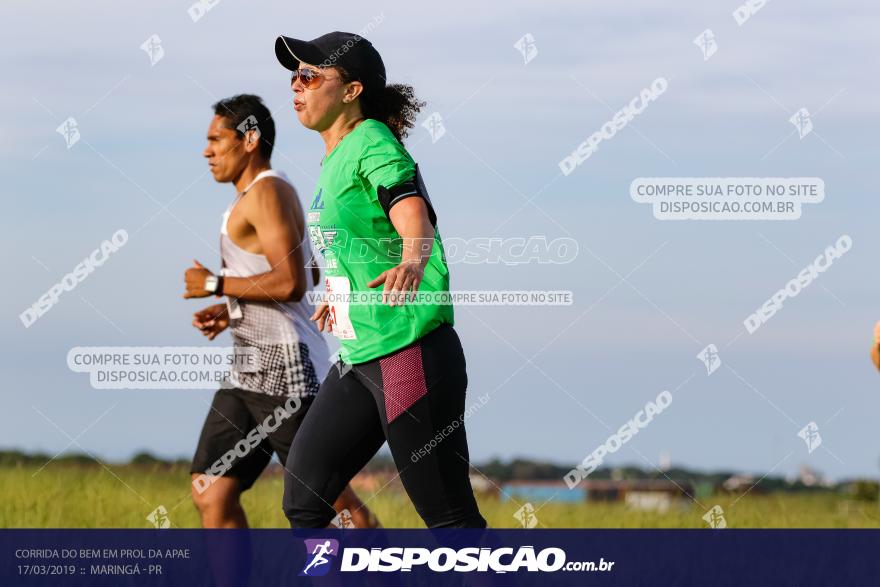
column 243, row 429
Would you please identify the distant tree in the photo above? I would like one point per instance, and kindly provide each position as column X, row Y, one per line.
column 146, row 458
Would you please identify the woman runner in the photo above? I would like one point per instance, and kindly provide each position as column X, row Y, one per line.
column 401, row 376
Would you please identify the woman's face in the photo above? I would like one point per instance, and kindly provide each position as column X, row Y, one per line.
column 318, row 105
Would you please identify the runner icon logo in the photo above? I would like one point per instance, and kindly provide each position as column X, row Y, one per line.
column 715, row 518
column 802, row 122
column 159, row 518
column 707, row 44
column 343, row 520
column 250, row 124
column 434, row 126
column 710, row 358
column 527, row 48
column 810, row 435
column 70, row 131
column 319, row 551
column 526, row 516
column 153, row 48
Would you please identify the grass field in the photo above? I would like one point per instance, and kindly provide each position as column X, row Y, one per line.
column 73, row 496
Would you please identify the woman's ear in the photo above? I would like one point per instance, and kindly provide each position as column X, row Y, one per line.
column 354, row 90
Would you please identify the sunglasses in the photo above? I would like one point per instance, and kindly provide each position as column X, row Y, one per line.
column 309, row 78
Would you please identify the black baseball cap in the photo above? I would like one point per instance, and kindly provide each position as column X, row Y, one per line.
column 352, row 52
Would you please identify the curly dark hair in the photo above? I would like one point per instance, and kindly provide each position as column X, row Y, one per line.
column 395, row 105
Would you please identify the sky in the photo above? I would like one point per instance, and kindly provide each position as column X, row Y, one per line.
column 648, row 294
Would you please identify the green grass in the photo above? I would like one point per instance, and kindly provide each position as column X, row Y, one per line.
column 72, row 496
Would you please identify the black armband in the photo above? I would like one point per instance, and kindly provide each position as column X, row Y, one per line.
column 414, row 187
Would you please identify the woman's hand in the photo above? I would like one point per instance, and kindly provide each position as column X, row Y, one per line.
column 323, row 318
column 401, row 282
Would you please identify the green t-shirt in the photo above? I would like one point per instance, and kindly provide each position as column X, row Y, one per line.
column 348, row 226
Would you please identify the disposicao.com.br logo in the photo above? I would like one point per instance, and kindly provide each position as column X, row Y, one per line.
column 441, row 559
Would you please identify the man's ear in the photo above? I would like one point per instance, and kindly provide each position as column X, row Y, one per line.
column 251, row 140
column 354, row 90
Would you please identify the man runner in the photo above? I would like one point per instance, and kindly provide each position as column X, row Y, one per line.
column 264, row 279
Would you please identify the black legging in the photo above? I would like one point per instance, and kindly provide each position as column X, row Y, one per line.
column 414, row 399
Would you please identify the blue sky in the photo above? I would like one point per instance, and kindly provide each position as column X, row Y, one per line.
column 560, row 377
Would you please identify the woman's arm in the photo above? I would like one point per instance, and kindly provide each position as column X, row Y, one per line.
column 410, row 219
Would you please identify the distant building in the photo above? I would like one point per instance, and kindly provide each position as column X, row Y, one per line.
column 482, row 485
column 665, row 461
column 541, row 491
column 810, row 477
column 650, row 494
column 739, row 484
column 644, row 494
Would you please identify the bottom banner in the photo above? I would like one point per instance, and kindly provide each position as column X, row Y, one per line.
column 440, row 557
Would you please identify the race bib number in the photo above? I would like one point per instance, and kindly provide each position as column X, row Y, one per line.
column 339, row 290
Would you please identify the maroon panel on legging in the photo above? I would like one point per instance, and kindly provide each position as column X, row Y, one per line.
column 403, row 380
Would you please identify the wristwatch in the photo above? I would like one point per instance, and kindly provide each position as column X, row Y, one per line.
column 214, row 284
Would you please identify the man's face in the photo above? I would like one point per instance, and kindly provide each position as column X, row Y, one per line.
column 225, row 152
column 319, row 106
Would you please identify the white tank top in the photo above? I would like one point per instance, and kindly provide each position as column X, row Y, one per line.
column 294, row 357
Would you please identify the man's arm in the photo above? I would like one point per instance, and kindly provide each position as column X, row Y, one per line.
column 274, row 212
